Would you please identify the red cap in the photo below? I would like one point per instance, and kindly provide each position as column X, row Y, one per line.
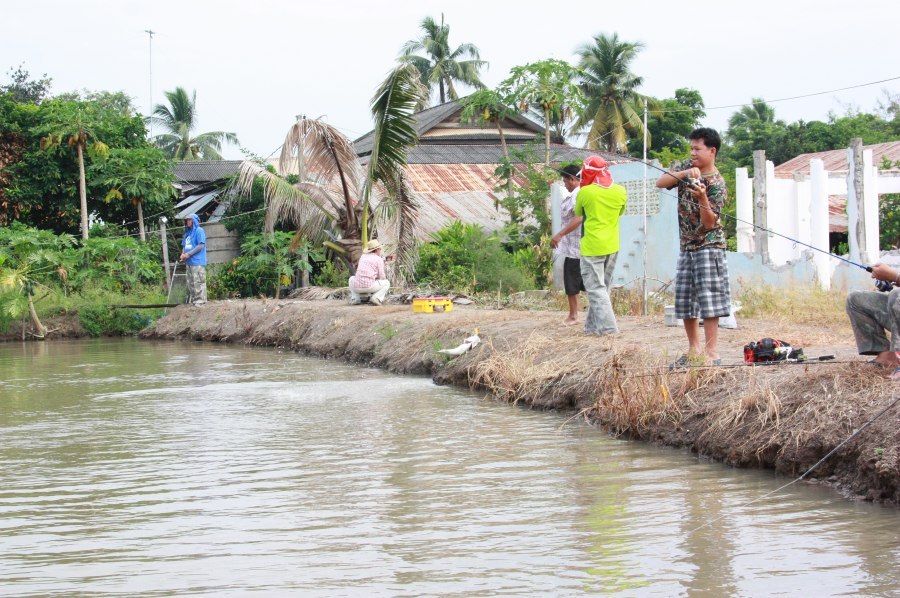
column 596, row 170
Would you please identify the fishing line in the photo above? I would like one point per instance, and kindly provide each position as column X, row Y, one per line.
column 808, row 471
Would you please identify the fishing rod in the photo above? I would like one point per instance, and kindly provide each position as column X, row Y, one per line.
column 692, row 183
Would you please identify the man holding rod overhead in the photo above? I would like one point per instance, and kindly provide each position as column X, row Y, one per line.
column 701, row 277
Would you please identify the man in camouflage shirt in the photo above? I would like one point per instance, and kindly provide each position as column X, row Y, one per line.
column 701, row 279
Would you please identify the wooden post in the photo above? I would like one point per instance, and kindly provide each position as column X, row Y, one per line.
column 856, row 204
column 165, row 250
column 760, row 216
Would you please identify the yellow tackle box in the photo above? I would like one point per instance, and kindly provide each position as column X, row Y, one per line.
column 427, row 305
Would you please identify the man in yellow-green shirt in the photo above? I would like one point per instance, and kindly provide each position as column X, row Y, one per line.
column 599, row 206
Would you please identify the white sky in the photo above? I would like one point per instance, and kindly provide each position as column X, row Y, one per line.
column 256, row 65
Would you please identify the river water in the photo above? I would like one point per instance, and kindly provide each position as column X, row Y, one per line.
column 131, row 467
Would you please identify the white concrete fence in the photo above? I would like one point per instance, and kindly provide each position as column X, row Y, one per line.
column 798, row 208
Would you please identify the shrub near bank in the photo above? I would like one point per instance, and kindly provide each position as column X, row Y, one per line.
column 464, row 258
column 58, row 276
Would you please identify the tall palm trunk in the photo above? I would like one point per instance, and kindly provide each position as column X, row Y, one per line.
column 441, row 87
column 140, row 208
column 82, row 191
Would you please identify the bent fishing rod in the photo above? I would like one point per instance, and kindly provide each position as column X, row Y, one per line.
column 693, row 183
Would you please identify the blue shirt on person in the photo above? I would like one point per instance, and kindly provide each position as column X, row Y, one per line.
column 194, row 237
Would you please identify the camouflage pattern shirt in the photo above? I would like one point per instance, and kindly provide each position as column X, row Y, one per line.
column 692, row 233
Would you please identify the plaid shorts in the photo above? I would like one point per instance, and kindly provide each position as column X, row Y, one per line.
column 701, row 284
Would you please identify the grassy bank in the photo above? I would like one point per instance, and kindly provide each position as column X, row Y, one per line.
column 88, row 313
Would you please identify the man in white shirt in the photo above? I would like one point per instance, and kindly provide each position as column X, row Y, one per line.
column 570, row 245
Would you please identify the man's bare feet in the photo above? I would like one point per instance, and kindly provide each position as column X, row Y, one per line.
column 570, row 321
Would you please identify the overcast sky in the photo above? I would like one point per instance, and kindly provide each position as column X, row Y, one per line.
column 257, row 65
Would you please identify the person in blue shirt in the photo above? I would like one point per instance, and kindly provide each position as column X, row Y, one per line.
column 193, row 254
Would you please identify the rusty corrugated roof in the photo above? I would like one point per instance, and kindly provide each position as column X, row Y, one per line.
column 836, row 160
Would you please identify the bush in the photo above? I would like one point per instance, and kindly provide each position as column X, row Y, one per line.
column 331, row 275
column 98, row 320
column 267, row 263
column 117, row 264
column 462, row 257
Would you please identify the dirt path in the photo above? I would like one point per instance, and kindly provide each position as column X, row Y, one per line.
column 785, row 417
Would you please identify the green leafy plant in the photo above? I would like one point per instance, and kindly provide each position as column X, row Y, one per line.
column 267, row 263
column 98, row 320
column 331, row 274
column 463, row 257
column 29, row 261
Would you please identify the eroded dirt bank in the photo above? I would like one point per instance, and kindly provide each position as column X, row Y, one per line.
column 785, row 417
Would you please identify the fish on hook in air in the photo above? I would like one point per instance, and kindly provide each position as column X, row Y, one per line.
column 466, row 345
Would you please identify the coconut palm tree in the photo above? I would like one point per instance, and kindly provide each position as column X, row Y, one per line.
column 179, row 119
column 441, row 66
column 613, row 104
column 336, row 201
column 75, row 124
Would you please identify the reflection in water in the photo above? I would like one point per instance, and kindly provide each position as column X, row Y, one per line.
column 190, row 468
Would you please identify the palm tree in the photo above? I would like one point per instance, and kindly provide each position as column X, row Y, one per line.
column 76, row 124
column 442, row 66
column 336, row 201
column 179, row 120
column 613, row 105
column 757, row 112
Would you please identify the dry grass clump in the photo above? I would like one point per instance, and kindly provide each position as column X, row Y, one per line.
column 537, row 369
column 806, row 305
column 630, row 301
column 787, row 407
column 317, row 293
column 626, row 391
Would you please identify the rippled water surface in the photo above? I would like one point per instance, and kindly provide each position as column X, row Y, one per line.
column 175, row 468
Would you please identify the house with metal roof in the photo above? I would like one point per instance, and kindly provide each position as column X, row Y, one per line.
column 202, row 186
column 451, row 169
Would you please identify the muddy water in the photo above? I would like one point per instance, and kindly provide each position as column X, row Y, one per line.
column 164, row 468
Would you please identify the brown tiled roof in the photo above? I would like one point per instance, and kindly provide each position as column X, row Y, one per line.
column 836, row 160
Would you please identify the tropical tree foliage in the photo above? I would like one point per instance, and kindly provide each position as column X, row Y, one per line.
column 139, row 175
column 334, row 200
column 76, row 125
column 613, row 106
column 179, row 119
column 440, row 66
column 548, row 86
column 23, row 89
column 669, row 126
column 489, row 107
column 267, row 263
column 29, row 259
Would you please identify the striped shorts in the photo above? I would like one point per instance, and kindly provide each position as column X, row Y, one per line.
column 701, row 284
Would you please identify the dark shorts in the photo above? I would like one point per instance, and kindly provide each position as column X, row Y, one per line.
column 572, row 276
column 701, row 285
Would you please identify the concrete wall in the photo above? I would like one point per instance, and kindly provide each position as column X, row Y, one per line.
column 221, row 245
